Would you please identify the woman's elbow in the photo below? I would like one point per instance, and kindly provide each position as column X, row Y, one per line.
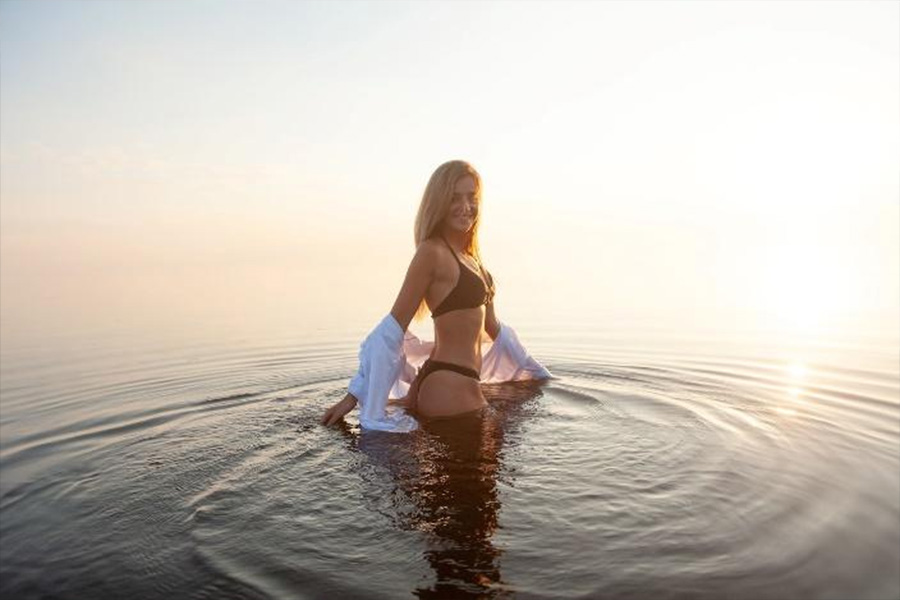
column 491, row 323
column 492, row 328
column 402, row 316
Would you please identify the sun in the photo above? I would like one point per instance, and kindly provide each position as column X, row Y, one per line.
column 804, row 287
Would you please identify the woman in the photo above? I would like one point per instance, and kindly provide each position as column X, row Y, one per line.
column 445, row 276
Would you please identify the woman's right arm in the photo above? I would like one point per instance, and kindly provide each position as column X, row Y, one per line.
column 337, row 412
column 419, row 276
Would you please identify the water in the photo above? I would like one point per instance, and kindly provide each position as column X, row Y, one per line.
column 188, row 463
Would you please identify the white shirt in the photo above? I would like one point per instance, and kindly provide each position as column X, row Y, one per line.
column 389, row 359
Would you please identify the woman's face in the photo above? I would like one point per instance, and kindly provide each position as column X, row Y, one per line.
column 463, row 206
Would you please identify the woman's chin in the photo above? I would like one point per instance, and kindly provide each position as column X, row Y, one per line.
column 464, row 226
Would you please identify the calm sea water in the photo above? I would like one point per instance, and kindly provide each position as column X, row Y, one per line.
column 661, row 463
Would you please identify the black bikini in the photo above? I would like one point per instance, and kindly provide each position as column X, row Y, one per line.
column 470, row 292
column 430, row 366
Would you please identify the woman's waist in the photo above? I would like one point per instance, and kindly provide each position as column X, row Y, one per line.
column 459, row 333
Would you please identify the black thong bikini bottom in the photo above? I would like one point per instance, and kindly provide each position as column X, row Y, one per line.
column 430, row 366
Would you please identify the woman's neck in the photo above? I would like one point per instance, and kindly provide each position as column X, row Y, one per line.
column 458, row 239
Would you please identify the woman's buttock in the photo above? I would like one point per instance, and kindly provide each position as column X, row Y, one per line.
column 447, row 393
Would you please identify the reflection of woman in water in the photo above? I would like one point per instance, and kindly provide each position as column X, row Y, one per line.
column 445, row 276
column 448, row 474
column 458, row 504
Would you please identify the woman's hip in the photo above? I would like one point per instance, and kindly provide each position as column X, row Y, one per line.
column 447, row 390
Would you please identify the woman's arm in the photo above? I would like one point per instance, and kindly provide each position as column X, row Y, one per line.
column 491, row 324
column 419, row 276
column 337, row 412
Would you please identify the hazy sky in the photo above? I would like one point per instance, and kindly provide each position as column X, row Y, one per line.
column 637, row 157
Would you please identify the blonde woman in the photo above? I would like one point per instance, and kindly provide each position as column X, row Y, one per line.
column 447, row 277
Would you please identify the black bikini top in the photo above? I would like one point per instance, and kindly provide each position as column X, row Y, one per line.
column 470, row 290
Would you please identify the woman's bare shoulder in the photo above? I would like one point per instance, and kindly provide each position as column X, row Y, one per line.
column 431, row 249
column 426, row 258
column 430, row 244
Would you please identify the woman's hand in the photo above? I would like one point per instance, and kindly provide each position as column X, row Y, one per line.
column 404, row 402
column 408, row 401
column 337, row 412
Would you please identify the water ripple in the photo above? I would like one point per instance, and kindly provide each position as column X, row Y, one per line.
column 201, row 472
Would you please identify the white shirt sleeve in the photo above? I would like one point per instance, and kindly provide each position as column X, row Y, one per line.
column 381, row 361
column 507, row 360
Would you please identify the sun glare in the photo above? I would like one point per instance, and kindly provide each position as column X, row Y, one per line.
column 802, row 289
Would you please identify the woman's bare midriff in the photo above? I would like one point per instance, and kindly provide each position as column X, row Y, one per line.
column 458, row 341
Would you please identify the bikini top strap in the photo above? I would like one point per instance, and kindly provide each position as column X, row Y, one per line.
column 451, row 249
column 484, row 275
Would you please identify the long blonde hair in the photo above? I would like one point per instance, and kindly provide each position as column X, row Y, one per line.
column 435, row 206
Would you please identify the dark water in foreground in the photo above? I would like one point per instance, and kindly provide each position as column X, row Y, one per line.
column 657, row 465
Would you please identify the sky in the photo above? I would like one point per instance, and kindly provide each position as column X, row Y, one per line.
column 687, row 160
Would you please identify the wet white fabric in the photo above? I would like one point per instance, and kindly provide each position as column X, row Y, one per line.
column 389, row 359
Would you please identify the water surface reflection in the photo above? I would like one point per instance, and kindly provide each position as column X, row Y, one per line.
column 442, row 482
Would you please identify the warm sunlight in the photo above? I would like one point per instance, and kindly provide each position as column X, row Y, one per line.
column 685, row 165
column 802, row 290
column 219, row 215
column 796, row 372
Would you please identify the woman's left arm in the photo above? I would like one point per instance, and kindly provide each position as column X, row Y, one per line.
column 491, row 324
